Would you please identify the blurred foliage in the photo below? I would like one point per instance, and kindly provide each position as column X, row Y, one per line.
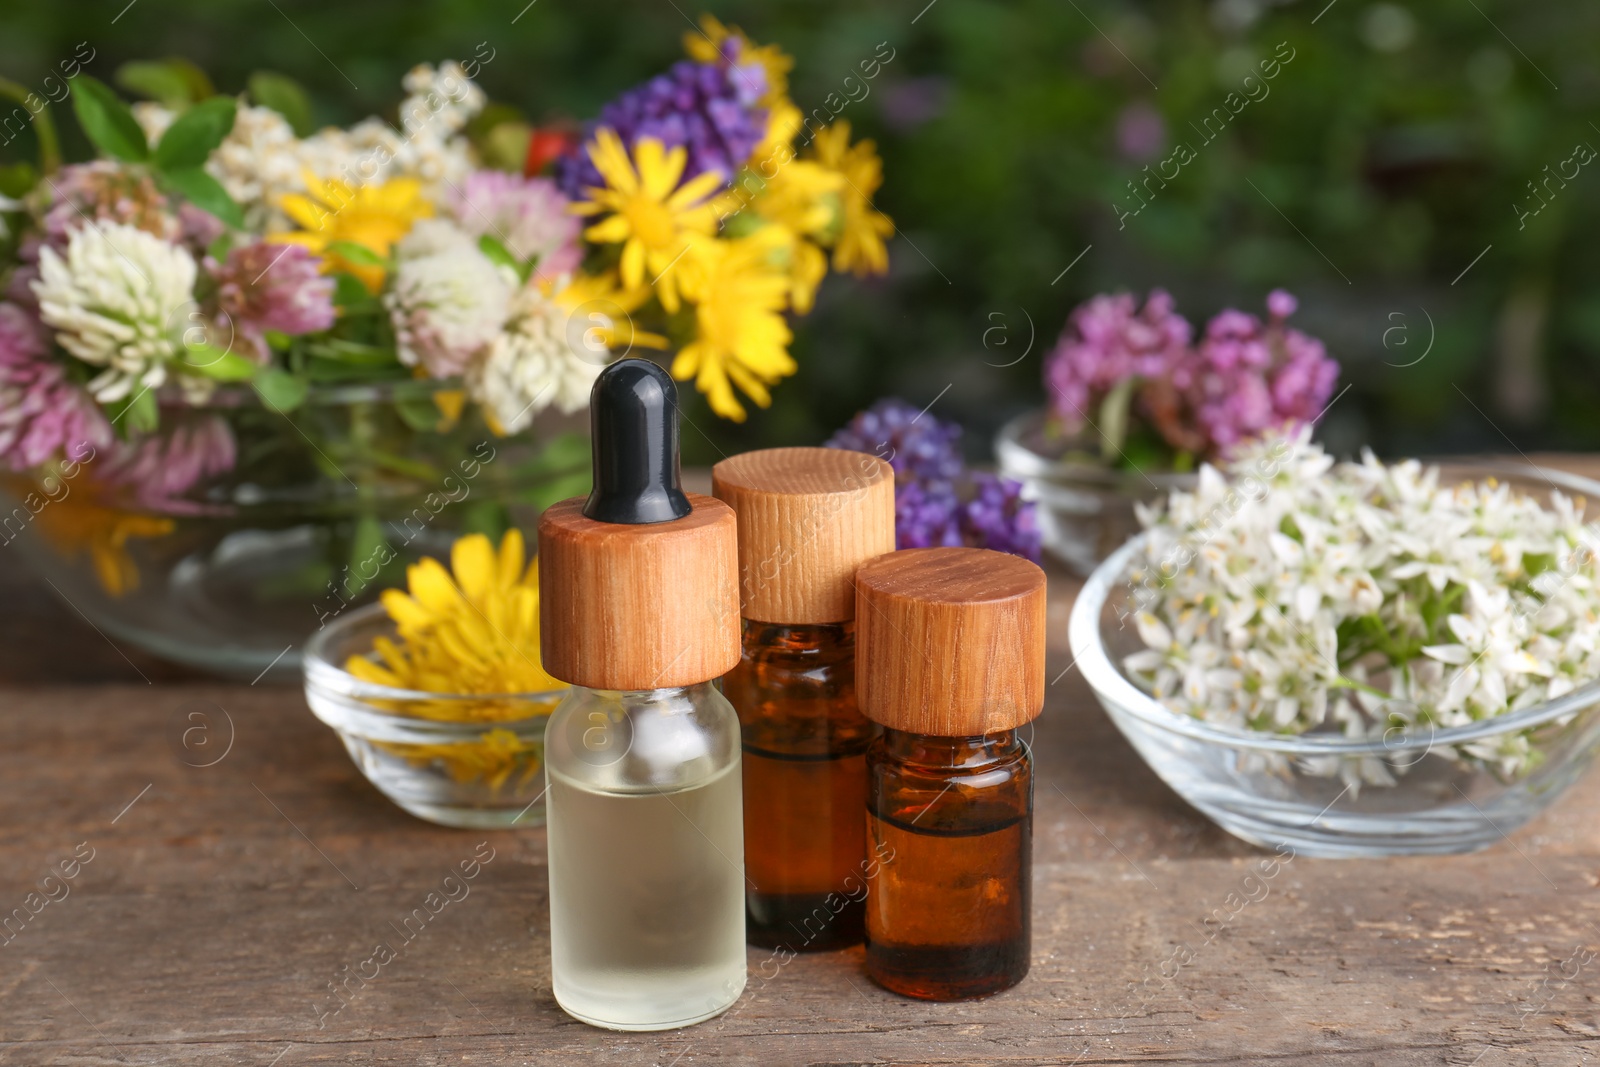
column 1380, row 176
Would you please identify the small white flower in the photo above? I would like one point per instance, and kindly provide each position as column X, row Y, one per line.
column 115, row 301
column 1366, row 598
column 534, row 363
column 447, row 305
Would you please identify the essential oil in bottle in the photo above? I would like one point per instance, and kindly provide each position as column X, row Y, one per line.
column 808, row 518
column 638, row 611
column 951, row 663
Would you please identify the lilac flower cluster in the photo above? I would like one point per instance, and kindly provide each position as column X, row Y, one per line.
column 1244, row 377
column 937, row 501
column 710, row 108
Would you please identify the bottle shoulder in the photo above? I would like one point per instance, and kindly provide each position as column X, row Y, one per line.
column 648, row 741
column 978, row 789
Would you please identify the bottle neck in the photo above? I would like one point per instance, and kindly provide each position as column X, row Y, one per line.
column 928, row 750
column 669, row 694
column 800, row 637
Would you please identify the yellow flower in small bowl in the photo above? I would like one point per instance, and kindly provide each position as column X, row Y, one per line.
column 438, row 692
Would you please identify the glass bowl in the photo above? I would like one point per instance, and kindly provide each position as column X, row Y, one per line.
column 1278, row 790
column 319, row 509
column 431, row 753
column 1085, row 510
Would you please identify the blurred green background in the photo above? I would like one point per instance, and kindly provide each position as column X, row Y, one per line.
column 1382, row 178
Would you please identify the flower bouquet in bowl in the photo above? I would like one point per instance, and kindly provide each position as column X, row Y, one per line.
column 1136, row 403
column 249, row 370
column 1357, row 658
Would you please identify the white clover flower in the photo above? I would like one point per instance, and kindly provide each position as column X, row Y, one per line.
column 116, row 301
column 1288, row 594
column 446, row 304
column 534, row 364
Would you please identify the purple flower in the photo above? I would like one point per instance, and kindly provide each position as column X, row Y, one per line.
column 42, row 413
column 269, row 287
column 528, row 215
column 710, row 108
column 914, row 443
column 1106, row 341
column 161, row 468
column 997, row 517
column 931, row 482
column 1141, row 131
column 926, row 515
column 1246, row 377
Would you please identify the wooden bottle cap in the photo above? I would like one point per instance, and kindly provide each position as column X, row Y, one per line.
column 808, row 518
column 648, row 606
column 950, row 641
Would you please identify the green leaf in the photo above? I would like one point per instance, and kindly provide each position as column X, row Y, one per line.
column 17, row 179
column 208, row 361
column 419, row 414
column 107, row 121
column 283, row 95
column 353, row 352
column 498, row 253
column 206, row 193
column 348, row 292
column 136, row 412
column 195, row 134
column 174, row 82
column 360, row 255
column 280, row 390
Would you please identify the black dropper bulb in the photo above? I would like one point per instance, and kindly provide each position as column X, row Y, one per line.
column 633, row 418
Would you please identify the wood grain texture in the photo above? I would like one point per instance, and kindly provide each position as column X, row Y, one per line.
column 638, row 607
column 950, row 641
column 808, row 518
column 216, row 911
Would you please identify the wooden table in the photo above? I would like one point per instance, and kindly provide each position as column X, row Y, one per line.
column 221, row 902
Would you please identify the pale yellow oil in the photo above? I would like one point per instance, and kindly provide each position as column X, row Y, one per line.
column 647, row 901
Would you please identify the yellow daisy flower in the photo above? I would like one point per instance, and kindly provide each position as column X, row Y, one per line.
column 74, row 526
column 476, row 632
column 859, row 246
column 653, row 217
column 805, row 200
column 739, row 288
column 372, row 216
column 601, row 297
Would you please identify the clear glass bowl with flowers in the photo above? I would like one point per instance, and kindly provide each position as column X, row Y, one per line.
column 1355, row 658
column 1136, row 402
column 249, row 370
column 438, row 693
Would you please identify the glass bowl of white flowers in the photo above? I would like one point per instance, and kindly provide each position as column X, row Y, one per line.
column 1356, row 659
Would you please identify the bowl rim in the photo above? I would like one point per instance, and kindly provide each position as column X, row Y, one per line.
column 1017, row 460
column 1113, row 687
column 321, row 673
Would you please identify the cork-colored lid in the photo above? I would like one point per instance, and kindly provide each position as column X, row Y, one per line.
column 808, row 517
column 950, row 641
column 646, row 606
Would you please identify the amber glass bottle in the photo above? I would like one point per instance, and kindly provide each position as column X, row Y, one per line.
column 807, row 518
column 951, row 663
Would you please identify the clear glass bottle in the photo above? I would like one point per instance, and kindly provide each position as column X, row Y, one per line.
column 952, row 819
column 805, row 785
column 646, row 849
column 638, row 612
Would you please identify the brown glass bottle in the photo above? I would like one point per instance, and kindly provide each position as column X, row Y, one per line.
column 951, row 663
column 805, row 783
column 808, row 518
column 951, row 819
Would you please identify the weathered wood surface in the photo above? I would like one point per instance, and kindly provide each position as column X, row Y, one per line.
column 221, row 901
